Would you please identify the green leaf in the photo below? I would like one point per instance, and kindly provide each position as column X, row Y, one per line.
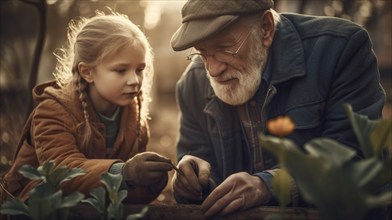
column 122, row 194
column 112, row 183
column 14, row 207
column 72, row 173
column 43, row 207
column 280, row 147
column 327, row 148
column 362, row 172
column 362, row 127
column 383, row 177
column 47, row 168
column 381, row 136
column 72, row 200
column 30, row 172
column 42, row 190
column 56, row 175
column 281, row 185
column 139, row 215
column 115, row 211
column 63, row 174
column 380, row 200
column 304, row 169
column 97, row 200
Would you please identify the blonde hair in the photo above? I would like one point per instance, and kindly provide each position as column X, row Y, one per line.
column 90, row 40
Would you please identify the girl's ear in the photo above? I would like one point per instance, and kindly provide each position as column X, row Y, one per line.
column 85, row 72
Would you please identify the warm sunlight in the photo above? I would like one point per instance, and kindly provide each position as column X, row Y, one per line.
column 154, row 10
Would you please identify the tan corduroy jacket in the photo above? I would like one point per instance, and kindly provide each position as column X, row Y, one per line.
column 51, row 133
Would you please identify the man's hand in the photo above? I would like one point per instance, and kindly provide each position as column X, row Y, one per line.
column 146, row 169
column 195, row 176
column 239, row 191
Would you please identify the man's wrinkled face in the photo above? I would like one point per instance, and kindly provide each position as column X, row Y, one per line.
column 235, row 81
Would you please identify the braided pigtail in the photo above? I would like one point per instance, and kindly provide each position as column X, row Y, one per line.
column 139, row 118
column 84, row 126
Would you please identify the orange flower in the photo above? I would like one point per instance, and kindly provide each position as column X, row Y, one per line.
column 281, row 126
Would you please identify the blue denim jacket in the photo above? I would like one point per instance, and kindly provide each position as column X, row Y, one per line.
column 316, row 64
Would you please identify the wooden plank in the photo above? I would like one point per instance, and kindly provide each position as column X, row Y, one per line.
column 193, row 212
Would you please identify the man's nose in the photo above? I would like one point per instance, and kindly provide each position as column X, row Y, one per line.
column 214, row 66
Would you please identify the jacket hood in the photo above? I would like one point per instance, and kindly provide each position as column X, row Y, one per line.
column 65, row 96
column 51, row 90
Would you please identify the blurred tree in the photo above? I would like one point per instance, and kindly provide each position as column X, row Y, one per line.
column 32, row 78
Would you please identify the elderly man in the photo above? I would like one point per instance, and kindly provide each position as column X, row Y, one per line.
column 250, row 64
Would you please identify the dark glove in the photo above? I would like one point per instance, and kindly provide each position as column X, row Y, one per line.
column 145, row 169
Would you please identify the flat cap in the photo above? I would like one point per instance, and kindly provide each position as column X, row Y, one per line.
column 204, row 18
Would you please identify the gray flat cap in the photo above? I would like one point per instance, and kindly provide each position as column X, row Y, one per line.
column 203, row 18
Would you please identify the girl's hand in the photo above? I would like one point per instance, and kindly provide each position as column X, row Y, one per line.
column 146, row 169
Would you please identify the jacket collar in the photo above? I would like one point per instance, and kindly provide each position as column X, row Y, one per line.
column 287, row 53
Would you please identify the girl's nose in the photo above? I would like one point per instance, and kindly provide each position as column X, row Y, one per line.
column 132, row 78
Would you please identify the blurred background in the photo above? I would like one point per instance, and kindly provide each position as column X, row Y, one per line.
column 30, row 30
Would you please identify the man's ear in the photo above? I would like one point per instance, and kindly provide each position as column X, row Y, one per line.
column 267, row 28
column 85, row 72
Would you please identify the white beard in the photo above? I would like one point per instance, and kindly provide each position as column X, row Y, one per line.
column 247, row 83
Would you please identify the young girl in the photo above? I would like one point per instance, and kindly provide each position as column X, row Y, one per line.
column 94, row 115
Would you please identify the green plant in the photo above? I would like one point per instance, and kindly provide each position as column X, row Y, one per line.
column 45, row 201
column 112, row 183
column 329, row 176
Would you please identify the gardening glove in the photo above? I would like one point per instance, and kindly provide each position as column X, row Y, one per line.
column 193, row 178
column 145, row 169
column 239, row 191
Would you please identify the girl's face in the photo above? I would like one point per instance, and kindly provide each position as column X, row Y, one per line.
column 117, row 79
